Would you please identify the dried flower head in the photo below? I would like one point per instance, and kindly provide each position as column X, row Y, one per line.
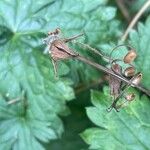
column 58, row 48
column 130, row 97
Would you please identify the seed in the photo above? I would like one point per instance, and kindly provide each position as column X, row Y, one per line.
column 129, row 58
column 129, row 72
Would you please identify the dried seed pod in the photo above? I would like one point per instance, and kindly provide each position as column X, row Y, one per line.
column 59, row 50
column 130, row 97
column 129, row 58
column 129, row 72
column 137, row 78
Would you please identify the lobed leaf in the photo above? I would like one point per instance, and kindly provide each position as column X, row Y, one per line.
column 127, row 129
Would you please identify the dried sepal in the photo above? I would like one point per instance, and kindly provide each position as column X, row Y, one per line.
column 130, row 56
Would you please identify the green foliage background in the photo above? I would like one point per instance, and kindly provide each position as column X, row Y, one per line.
column 51, row 113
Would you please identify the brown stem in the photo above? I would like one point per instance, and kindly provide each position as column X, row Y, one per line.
column 135, row 19
column 110, row 72
column 72, row 38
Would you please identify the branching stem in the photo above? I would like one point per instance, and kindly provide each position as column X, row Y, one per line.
column 110, row 72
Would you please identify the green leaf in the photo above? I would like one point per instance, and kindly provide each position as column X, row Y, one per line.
column 24, row 67
column 141, row 41
column 127, row 129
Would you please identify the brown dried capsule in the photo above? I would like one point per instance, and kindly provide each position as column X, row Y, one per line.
column 129, row 58
column 137, row 78
column 129, row 72
column 130, row 97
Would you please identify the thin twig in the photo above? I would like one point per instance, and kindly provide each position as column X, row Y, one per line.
column 123, row 9
column 135, row 19
column 13, row 101
column 110, row 72
column 72, row 38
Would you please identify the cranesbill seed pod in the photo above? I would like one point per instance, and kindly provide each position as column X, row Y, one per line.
column 129, row 72
column 137, row 79
column 129, row 58
column 130, row 97
column 59, row 50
